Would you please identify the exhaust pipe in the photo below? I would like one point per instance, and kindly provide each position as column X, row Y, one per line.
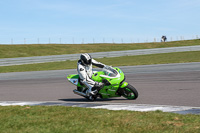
column 79, row 93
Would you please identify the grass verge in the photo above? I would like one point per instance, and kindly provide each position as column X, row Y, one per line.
column 178, row 57
column 12, row 51
column 61, row 119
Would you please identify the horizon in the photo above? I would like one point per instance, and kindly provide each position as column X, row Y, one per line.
column 82, row 22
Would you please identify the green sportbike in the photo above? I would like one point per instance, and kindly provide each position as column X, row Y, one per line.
column 114, row 84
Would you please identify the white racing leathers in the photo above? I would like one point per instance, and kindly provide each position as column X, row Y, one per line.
column 85, row 73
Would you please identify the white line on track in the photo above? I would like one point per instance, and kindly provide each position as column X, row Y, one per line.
column 110, row 106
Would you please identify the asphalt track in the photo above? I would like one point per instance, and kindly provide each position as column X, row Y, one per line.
column 167, row 84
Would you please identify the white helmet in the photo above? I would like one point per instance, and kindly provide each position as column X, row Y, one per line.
column 86, row 59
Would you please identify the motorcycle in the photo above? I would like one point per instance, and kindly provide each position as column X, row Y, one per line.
column 114, row 84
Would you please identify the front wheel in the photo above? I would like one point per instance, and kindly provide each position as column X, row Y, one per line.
column 130, row 92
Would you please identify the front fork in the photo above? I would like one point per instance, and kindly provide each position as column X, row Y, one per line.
column 120, row 91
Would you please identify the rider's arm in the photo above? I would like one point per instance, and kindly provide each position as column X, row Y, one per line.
column 97, row 64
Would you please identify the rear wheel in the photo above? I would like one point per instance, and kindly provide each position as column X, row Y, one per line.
column 130, row 92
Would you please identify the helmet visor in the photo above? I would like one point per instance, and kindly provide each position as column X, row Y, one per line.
column 89, row 62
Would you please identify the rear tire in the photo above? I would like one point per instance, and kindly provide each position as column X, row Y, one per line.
column 130, row 92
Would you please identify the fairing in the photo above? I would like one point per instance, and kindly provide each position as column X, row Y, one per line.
column 113, row 75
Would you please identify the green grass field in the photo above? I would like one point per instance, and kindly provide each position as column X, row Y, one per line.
column 11, row 51
column 180, row 57
column 61, row 119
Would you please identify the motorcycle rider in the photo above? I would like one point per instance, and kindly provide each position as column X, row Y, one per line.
column 84, row 68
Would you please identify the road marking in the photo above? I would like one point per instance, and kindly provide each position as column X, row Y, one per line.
column 111, row 106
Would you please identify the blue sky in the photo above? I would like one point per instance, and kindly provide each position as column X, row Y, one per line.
column 87, row 21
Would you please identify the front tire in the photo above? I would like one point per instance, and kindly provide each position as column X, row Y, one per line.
column 130, row 92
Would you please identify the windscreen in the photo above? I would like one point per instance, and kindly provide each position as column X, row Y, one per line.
column 110, row 72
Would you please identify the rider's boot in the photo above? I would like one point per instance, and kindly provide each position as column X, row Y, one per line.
column 91, row 92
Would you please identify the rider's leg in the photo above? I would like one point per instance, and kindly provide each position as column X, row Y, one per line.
column 92, row 88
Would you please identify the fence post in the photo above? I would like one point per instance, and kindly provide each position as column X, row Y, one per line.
column 82, row 41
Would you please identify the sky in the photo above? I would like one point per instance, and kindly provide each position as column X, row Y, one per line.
column 97, row 21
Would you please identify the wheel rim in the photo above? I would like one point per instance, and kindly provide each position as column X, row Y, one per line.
column 129, row 94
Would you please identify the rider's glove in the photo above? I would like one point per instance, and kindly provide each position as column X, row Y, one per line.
column 99, row 85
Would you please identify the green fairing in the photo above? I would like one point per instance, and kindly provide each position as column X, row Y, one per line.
column 106, row 91
column 116, row 82
column 109, row 91
column 74, row 76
